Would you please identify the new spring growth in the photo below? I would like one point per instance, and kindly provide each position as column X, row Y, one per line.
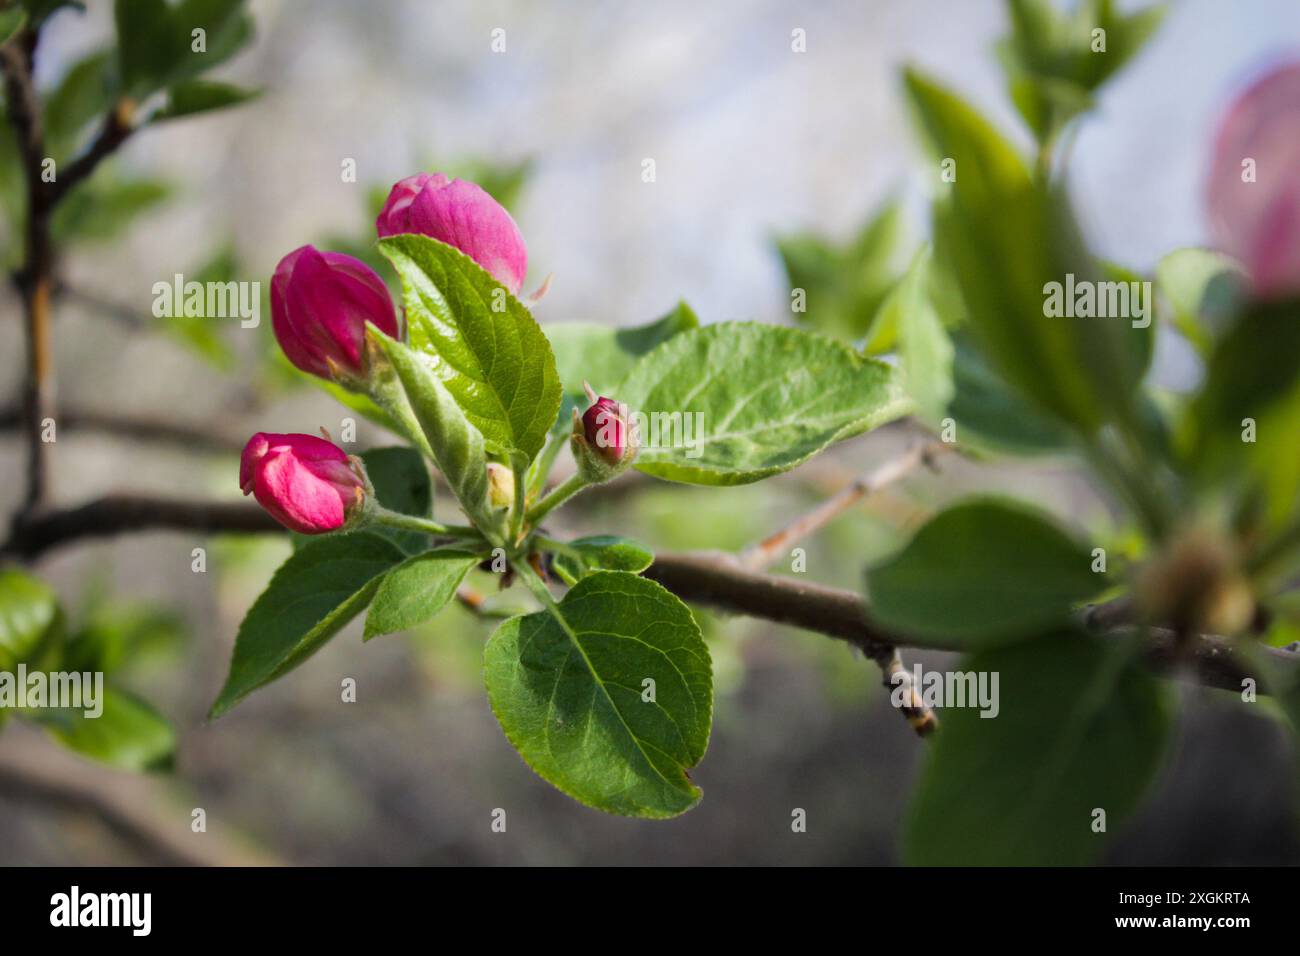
column 501, row 485
column 307, row 484
column 1254, row 186
column 461, row 214
column 320, row 304
column 604, row 440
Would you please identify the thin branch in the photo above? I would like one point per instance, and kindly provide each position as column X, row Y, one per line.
column 706, row 577
column 118, row 127
column 35, row 278
column 156, row 430
column 135, row 807
column 777, row 544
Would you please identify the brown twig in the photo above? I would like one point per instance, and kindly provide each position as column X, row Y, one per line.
column 118, row 127
column 194, row 438
column 35, row 277
column 776, row 544
column 135, row 807
column 706, row 577
column 759, row 556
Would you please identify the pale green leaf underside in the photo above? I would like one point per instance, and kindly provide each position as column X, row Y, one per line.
column 602, row 355
column 312, row 596
column 569, row 696
column 496, row 364
column 1080, row 726
column 416, row 590
column 771, row 397
column 455, row 444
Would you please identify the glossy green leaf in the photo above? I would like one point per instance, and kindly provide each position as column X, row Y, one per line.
column 479, row 341
column 602, row 552
column 570, row 691
column 129, row 734
column 735, row 402
column 200, row 96
column 29, row 610
column 311, row 598
column 1079, row 727
column 416, row 590
column 408, row 389
column 1007, row 240
column 983, row 572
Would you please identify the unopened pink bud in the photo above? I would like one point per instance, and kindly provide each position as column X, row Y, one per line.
column 1254, row 187
column 307, row 484
column 606, row 430
column 461, row 214
column 320, row 304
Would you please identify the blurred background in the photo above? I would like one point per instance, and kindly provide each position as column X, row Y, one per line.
column 750, row 141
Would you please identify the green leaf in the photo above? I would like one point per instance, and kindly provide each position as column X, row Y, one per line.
column 83, row 95
column 1203, row 289
column 602, row 355
column 732, row 403
column 12, row 19
column 844, row 285
column 156, row 40
column 102, row 208
column 115, row 632
column 982, row 572
column 402, row 484
column 925, row 350
column 29, row 611
column 410, row 389
column 480, row 342
column 1079, row 727
column 311, row 598
column 200, row 96
column 416, row 590
column 129, row 734
column 568, row 691
column 602, row 552
column 989, row 412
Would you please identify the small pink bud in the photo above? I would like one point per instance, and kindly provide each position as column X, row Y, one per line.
column 1254, row 186
column 307, row 484
column 460, row 214
column 607, row 431
column 320, row 304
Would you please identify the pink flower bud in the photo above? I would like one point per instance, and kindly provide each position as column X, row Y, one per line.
column 306, row 483
column 460, row 214
column 606, row 431
column 320, row 304
column 1254, row 187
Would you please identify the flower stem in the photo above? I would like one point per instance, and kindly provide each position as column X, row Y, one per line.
column 394, row 519
column 558, row 495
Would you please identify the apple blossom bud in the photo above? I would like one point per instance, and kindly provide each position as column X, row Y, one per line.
column 604, row 442
column 1254, row 186
column 606, row 431
column 307, row 484
column 320, row 304
column 461, row 214
column 501, row 485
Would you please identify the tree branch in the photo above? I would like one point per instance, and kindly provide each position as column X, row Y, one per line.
column 774, row 545
column 706, row 577
column 137, row 429
column 117, row 128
